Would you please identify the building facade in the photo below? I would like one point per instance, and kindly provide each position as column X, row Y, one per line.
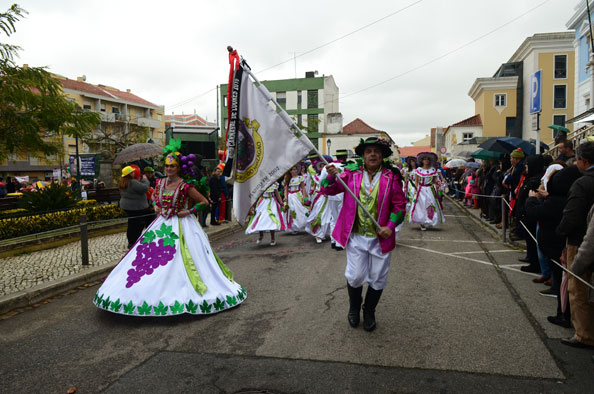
column 503, row 101
column 122, row 113
column 350, row 136
column 312, row 102
column 584, row 78
column 458, row 137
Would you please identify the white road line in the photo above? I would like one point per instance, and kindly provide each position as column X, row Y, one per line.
column 507, row 267
column 490, row 251
column 447, row 254
column 446, row 240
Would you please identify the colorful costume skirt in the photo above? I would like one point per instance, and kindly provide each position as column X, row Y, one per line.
column 170, row 270
column 268, row 217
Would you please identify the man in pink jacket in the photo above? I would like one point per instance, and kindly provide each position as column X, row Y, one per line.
column 368, row 249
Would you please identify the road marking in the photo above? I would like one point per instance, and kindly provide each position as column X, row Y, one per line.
column 508, row 267
column 447, row 240
column 490, row 251
column 447, row 254
column 456, row 216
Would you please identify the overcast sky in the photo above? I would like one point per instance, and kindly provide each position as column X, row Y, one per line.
column 169, row 52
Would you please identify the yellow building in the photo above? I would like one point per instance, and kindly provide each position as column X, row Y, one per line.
column 125, row 117
column 503, row 101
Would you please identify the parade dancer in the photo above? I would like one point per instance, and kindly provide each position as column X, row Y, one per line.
column 335, row 201
column 295, row 201
column 409, row 182
column 368, row 248
column 426, row 208
column 269, row 215
column 172, row 268
column 319, row 217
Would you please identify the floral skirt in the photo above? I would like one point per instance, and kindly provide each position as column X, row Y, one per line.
column 170, row 270
column 268, row 217
column 426, row 209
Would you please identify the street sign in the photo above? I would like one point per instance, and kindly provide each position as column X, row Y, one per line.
column 443, row 150
column 535, row 92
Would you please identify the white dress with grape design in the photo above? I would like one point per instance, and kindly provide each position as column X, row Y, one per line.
column 171, row 269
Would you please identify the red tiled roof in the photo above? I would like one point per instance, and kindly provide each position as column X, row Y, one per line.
column 357, row 126
column 472, row 121
column 413, row 150
column 190, row 120
column 84, row 87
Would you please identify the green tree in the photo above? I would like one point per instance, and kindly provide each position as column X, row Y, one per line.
column 34, row 113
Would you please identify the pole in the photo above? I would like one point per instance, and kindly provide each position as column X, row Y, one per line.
column 77, row 163
column 538, row 133
column 84, row 239
column 503, row 220
column 311, row 145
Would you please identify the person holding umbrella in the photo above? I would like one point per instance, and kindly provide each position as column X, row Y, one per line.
column 134, row 202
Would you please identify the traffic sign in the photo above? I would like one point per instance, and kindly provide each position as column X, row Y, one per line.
column 535, row 92
column 443, row 150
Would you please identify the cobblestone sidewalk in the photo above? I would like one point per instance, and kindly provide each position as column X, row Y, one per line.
column 27, row 270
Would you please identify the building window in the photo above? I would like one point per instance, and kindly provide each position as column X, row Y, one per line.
column 225, row 103
column 51, row 158
column 560, row 66
column 560, row 96
column 312, row 122
column 281, row 99
column 115, row 110
column 12, row 157
column 501, row 100
column 102, row 107
column 299, row 99
column 559, row 120
column 467, row 136
column 159, row 117
column 312, row 98
column 87, row 106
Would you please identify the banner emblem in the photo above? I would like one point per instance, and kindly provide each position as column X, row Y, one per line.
column 250, row 150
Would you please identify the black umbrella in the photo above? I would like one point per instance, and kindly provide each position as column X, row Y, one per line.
column 508, row 144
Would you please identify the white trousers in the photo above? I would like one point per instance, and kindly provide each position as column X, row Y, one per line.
column 366, row 263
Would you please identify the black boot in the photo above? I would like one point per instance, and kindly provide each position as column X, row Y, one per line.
column 355, row 301
column 371, row 299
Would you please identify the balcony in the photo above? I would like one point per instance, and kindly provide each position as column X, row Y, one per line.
column 122, row 118
column 107, row 117
column 148, row 122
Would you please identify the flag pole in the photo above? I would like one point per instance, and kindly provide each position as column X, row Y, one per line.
column 310, row 144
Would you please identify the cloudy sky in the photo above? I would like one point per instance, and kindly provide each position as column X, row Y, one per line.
column 423, row 55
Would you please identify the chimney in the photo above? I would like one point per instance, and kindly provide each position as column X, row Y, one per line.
column 79, row 79
column 127, row 90
column 25, row 66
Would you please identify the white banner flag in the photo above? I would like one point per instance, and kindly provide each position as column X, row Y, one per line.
column 267, row 147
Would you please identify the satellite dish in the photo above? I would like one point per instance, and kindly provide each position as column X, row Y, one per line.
column 84, row 78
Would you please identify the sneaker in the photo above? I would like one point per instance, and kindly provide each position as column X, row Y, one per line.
column 548, row 293
column 318, row 240
column 423, row 228
column 259, row 241
column 272, row 243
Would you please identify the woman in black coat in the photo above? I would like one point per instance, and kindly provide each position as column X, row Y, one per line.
column 533, row 173
column 548, row 213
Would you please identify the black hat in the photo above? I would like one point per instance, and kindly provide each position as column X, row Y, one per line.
column 379, row 142
column 342, row 152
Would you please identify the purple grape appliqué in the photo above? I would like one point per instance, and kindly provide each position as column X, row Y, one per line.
column 149, row 257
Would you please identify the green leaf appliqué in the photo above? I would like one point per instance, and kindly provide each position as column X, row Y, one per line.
column 205, row 307
column 231, row 301
column 144, row 309
column 219, row 305
column 191, row 307
column 129, row 309
column 148, row 237
column 105, row 303
column 161, row 310
column 176, row 308
column 115, row 305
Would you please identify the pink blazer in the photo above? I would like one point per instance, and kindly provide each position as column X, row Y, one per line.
column 391, row 201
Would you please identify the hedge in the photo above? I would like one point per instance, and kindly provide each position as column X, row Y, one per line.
column 26, row 225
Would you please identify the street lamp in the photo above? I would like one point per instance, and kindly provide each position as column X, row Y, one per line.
column 329, row 143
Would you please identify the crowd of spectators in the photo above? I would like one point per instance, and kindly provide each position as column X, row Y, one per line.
column 550, row 207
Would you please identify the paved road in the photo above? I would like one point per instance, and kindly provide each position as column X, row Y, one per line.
column 457, row 316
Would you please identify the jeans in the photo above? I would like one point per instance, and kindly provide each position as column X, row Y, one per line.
column 543, row 261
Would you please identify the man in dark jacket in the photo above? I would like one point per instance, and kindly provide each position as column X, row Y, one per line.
column 573, row 226
column 215, row 195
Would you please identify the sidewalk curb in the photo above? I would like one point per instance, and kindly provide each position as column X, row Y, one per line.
column 38, row 293
column 494, row 232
